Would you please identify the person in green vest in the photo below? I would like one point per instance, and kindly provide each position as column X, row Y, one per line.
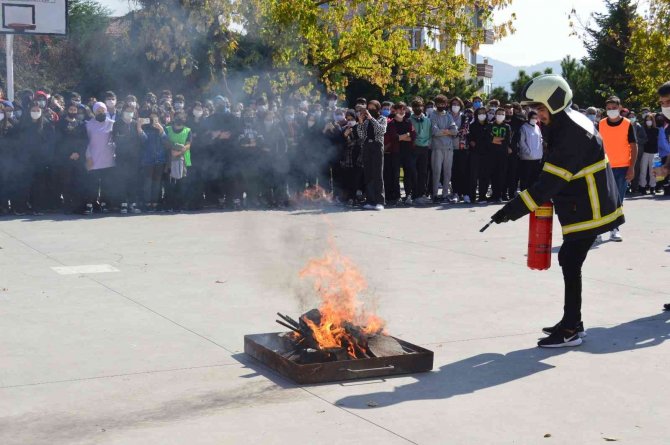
column 179, row 143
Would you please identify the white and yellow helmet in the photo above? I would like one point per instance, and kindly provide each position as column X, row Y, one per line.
column 550, row 90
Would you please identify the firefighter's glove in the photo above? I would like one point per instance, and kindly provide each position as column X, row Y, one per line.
column 500, row 216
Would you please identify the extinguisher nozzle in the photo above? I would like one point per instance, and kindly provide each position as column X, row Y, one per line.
column 485, row 227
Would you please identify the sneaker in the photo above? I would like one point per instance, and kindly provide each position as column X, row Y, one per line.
column 379, row 207
column 89, row 209
column 134, row 209
column 466, row 199
column 124, row 208
column 422, row 200
column 453, row 199
column 580, row 329
column 598, row 240
column 666, row 307
column 615, row 235
column 408, row 201
column 103, row 207
column 560, row 339
column 369, row 207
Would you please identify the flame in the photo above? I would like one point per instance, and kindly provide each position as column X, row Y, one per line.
column 316, row 193
column 338, row 282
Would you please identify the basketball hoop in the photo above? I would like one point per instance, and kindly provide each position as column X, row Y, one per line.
column 20, row 28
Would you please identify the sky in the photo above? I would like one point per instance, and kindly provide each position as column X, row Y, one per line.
column 542, row 30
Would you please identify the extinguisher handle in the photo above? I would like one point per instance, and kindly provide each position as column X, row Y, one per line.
column 485, row 227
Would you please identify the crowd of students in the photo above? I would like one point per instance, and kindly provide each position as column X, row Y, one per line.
column 164, row 153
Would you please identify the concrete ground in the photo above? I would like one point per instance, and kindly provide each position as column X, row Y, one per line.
column 146, row 347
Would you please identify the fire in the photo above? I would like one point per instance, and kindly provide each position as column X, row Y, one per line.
column 316, row 193
column 338, row 282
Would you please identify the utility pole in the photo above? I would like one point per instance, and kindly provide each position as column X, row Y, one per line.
column 9, row 53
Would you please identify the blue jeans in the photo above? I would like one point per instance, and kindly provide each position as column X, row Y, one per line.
column 621, row 183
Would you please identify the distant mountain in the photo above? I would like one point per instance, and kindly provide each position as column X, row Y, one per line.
column 504, row 73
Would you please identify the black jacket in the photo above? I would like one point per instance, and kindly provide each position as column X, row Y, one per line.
column 578, row 178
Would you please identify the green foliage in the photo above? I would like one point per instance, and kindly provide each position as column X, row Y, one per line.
column 501, row 94
column 336, row 40
column 647, row 60
column 607, row 44
column 580, row 81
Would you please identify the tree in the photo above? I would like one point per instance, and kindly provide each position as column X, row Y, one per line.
column 579, row 79
column 331, row 41
column 648, row 58
column 522, row 80
column 607, row 44
column 501, row 94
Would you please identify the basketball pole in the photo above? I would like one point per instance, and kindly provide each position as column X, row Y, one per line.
column 9, row 53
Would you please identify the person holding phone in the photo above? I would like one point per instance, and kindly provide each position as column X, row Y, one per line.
column 153, row 157
column 371, row 129
column 100, row 159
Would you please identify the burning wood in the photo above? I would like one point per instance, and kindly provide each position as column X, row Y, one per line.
column 341, row 328
column 316, row 194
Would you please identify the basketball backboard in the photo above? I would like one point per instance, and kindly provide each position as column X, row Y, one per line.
column 33, row 17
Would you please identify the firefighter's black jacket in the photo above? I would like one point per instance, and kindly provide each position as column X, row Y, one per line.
column 577, row 177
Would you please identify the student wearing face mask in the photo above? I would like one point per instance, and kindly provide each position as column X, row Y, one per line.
column 480, row 155
column 500, row 142
column 352, row 160
column 153, row 157
column 401, row 136
column 179, row 104
column 415, row 165
column 273, row 163
column 70, row 171
column 531, row 151
column 477, row 103
column 371, row 129
column 620, row 144
column 460, row 170
column 127, row 172
column 591, row 114
column 37, row 137
column 493, row 106
column 8, row 133
column 331, row 103
column 647, row 180
column 178, row 144
column 100, row 161
column 444, row 130
column 641, row 137
column 293, row 132
column 109, row 98
column 42, row 100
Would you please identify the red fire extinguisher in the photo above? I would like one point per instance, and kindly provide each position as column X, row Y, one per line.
column 539, row 237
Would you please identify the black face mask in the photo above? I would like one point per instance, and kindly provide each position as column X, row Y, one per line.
column 374, row 113
column 100, row 117
column 441, row 109
column 72, row 115
column 417, row 111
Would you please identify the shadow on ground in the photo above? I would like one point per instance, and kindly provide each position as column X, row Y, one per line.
column 492, row 369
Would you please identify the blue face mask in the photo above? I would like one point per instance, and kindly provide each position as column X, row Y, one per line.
column 386, row 113
column 477, row 104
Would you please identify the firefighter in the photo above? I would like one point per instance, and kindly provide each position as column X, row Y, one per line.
column 578, row 178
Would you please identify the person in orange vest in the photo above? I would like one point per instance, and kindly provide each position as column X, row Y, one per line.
column 618, row 136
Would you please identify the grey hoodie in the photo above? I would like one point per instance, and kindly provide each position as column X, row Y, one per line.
column 443, row 121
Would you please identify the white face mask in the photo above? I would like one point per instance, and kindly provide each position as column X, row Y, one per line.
column 455, row 108
column 332, row 103
column 591, row 117
column 613, row 114
column 533, row 121
column 35, row 115
column 650, row 123
column 197, row 113
column 481, row 117
column 128, row 116
column 500, row 118
column 133, row 104
column 666, row 111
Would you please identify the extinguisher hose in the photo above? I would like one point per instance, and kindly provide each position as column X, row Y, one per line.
column 485, row 227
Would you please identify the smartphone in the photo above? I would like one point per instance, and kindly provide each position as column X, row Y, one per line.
column 145, row 121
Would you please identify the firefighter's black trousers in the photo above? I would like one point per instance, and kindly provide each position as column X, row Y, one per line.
column 571, row 258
